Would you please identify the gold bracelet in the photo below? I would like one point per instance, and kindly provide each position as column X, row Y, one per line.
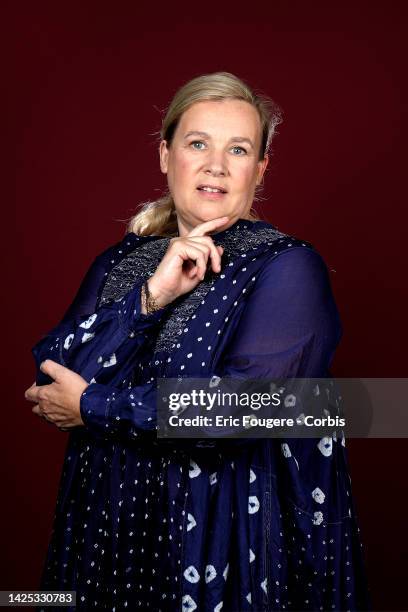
column 149, row 301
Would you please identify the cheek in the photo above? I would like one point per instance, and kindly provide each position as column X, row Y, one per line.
column 184, row 167
column 247, row 177
column 181, row 172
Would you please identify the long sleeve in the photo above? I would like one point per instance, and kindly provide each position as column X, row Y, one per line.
column 103, row 344
column 288, row 330
column 86, row 298
column 83, row 304
column 290, row 325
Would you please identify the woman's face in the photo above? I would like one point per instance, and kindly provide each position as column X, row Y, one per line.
column 216, row 144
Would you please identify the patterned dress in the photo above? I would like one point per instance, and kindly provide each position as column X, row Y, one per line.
column 142, row 523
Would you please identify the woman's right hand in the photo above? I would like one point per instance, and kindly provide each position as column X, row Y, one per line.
column 185, row 262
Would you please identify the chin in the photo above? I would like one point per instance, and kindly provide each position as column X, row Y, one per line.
column 210, row 213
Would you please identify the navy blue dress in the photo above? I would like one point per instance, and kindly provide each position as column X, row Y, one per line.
column 144, row 523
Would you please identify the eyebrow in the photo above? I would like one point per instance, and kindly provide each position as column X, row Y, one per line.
column 205, row 135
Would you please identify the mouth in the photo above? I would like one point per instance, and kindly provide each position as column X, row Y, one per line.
column 212, row 191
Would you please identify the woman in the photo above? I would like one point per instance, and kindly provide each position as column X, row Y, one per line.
column 198, row 287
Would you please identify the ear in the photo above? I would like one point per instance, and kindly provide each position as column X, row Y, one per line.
column 262, row 164
column 164, row 156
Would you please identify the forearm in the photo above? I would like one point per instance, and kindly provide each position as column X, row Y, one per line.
column 90, row 345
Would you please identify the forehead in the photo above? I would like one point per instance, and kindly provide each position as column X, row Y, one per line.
column 221, row 117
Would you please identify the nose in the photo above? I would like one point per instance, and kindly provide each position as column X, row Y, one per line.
column 216, row 165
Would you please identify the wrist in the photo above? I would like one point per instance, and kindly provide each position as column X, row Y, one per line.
column 158, row 297
column 151, row 301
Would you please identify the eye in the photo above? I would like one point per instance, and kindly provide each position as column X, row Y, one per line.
column 239, row 149
column 197, row 142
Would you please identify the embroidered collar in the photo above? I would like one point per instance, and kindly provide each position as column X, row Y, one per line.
column 241, row 237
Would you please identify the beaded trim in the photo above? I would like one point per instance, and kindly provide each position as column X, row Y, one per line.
column 143, row 261
column 139, row 264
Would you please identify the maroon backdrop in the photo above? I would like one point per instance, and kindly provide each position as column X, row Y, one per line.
column 90, row 85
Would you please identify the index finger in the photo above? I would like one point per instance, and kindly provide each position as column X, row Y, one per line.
column 208, row 226
column 31, row 393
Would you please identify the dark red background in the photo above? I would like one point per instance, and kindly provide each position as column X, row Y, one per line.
column 90, row 83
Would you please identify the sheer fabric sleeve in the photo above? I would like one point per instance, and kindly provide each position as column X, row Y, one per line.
column 290, row 325
column 84, row 302
column 103, row 344
column 288, row 329
column 86, row 298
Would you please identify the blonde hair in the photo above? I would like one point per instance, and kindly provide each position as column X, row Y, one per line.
column 159, row 217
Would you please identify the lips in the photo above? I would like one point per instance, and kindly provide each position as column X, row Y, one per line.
column 208, row 188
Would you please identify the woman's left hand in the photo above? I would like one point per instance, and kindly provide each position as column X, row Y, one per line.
column 59, row 402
